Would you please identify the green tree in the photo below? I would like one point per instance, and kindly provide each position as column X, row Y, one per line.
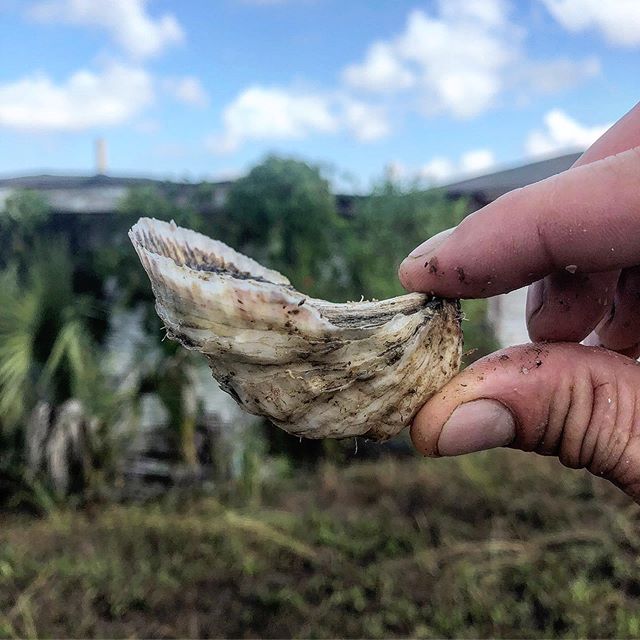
column 386, row 226
column 284, row 215
column 24, row 215
column 118, row 262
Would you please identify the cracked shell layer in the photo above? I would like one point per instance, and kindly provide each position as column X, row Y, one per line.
column 315, row 368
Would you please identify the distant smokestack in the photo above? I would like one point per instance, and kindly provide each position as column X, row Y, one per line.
column 101, row 156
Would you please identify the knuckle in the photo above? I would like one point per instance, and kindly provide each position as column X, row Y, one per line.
column 622, row 467
column 596, row 428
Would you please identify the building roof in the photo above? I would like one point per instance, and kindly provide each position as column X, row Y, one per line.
column 102, row 193
column 95, row 194
column 488, row 187
column 45, row 182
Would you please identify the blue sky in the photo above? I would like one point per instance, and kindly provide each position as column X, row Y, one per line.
column 197, row 89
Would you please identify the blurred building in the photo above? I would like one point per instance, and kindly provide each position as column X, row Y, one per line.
column 100, row 194
column 83, row 204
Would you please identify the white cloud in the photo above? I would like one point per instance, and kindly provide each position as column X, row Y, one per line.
column 382, row 71
column 261, row 113
column 367, row 123
column 437, row 170
column 440, row 169
column 126, row 21
column 86, row 99
column 562, row 133
column 476, row 161
column 460, row 59
column 617, row 20
column 551, row 76
column 455, row 58
column 462, row 55
column 188, row 90
column 277, row 113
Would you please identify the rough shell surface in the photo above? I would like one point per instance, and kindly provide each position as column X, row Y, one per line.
column 315, row 368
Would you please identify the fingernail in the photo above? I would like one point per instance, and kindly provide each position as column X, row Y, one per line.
column 429, row 246
column 476, row 426
column 535, row 297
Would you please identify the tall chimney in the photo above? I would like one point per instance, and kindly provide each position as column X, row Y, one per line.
column 101, row 156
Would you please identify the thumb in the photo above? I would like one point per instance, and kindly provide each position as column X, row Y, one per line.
column 579, row 403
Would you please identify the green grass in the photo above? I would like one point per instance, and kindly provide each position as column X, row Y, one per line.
column 495, row 545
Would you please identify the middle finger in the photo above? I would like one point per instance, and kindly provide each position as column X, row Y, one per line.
column 568, row 305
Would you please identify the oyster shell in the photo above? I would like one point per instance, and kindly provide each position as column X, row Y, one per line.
column 315, row 368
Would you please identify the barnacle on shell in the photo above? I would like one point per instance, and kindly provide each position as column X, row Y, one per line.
column 317, row 369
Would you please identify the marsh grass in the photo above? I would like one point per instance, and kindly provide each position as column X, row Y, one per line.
column 495, row 545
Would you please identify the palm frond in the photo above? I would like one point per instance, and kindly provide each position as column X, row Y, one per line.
column 18, row 318
column 69, row 346
column 45, row 347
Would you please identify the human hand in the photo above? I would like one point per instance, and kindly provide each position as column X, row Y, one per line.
column 575, row 238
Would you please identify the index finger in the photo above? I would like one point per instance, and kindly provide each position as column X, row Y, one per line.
column 585, row 219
